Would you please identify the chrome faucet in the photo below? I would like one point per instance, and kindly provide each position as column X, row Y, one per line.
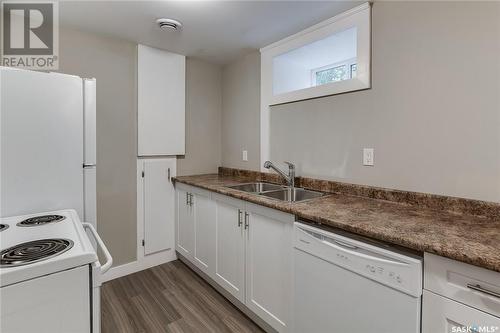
column 290, row 178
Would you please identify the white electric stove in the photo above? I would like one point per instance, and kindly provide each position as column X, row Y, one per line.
column 50, row 274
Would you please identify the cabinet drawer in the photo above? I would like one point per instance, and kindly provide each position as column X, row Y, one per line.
column 443, row 315
column 471, row 285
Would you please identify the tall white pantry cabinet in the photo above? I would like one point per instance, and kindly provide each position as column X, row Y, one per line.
column 160, row 138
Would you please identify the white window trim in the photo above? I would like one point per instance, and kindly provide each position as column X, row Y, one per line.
column 359, row 17
column 348, row 63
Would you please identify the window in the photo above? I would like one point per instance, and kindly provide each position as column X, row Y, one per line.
column 329, row 58
column 334, row 73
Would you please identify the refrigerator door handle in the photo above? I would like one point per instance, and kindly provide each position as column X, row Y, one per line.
column 89, row 117
column 109, row 258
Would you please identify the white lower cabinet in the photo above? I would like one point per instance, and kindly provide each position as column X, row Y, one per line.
column 245, row 248
column 184, row 240
column 195, row 236
column 230, row 246
column 268, row 261
column 204, row 231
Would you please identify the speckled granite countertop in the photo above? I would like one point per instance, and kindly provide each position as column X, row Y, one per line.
column 468, row 238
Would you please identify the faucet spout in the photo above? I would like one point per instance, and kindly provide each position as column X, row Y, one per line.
column 290, row 178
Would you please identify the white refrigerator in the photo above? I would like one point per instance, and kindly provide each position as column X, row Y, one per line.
column 48, row 143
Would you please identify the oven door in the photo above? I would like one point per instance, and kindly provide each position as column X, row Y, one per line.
column 55, row 303
column 97, row 271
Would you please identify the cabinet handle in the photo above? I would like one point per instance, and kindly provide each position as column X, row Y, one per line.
column 168, row 174
column 239, row 218
column 190, row 199
column 187, row 199
column 477, row 287
column 247, row 224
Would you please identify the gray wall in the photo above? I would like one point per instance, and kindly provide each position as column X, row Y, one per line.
column 203, row 119
column 433, row 114
column 113, row 63
column 241, row 112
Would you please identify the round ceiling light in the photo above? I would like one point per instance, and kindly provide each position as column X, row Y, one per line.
column 169, row 24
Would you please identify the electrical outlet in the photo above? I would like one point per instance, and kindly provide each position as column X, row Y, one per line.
column 368, row 156
column 245, row 155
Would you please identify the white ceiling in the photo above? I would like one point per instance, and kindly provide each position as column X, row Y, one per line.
column 215, row 31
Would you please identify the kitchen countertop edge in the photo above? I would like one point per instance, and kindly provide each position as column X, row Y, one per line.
column 459, row 244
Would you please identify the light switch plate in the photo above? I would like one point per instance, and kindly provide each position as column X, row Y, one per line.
column 245, row 155
column 368, row 156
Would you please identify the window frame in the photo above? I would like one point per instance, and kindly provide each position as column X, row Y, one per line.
column 359, row 17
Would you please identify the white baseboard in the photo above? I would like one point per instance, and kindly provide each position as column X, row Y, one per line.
column 139, row 265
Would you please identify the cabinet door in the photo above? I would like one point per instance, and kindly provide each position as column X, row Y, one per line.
column 185, row 224
column 443, row 315
column 160, row 102
column 159, row 204
column 269, row 270
column 205, row 232
column 230, row 246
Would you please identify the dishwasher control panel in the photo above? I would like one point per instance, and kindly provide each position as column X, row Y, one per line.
column 380, row 271
column 390, row 268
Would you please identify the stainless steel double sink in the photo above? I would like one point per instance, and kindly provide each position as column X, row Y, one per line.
column 279, row 192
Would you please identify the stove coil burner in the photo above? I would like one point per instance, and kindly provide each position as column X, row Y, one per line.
column 34, row 251
column 3, row 226
column 41, row 220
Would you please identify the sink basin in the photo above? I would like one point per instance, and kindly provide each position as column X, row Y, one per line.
column 256, row 187
column 279, row 192
column 293, row 195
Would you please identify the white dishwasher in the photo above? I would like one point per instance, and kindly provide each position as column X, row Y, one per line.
column 345, row 285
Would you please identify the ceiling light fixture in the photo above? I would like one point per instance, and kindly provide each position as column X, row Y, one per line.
column 169, row 24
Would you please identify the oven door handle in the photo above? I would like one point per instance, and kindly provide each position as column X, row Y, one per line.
column 109, row 258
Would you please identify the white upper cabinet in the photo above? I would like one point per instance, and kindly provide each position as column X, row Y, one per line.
column 161, row 85
column 329, row 58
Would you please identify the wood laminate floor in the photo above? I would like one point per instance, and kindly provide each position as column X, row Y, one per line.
column 168, row 298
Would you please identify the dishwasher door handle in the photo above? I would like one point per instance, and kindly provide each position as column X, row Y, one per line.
column 348, row 248
column 362, row 253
